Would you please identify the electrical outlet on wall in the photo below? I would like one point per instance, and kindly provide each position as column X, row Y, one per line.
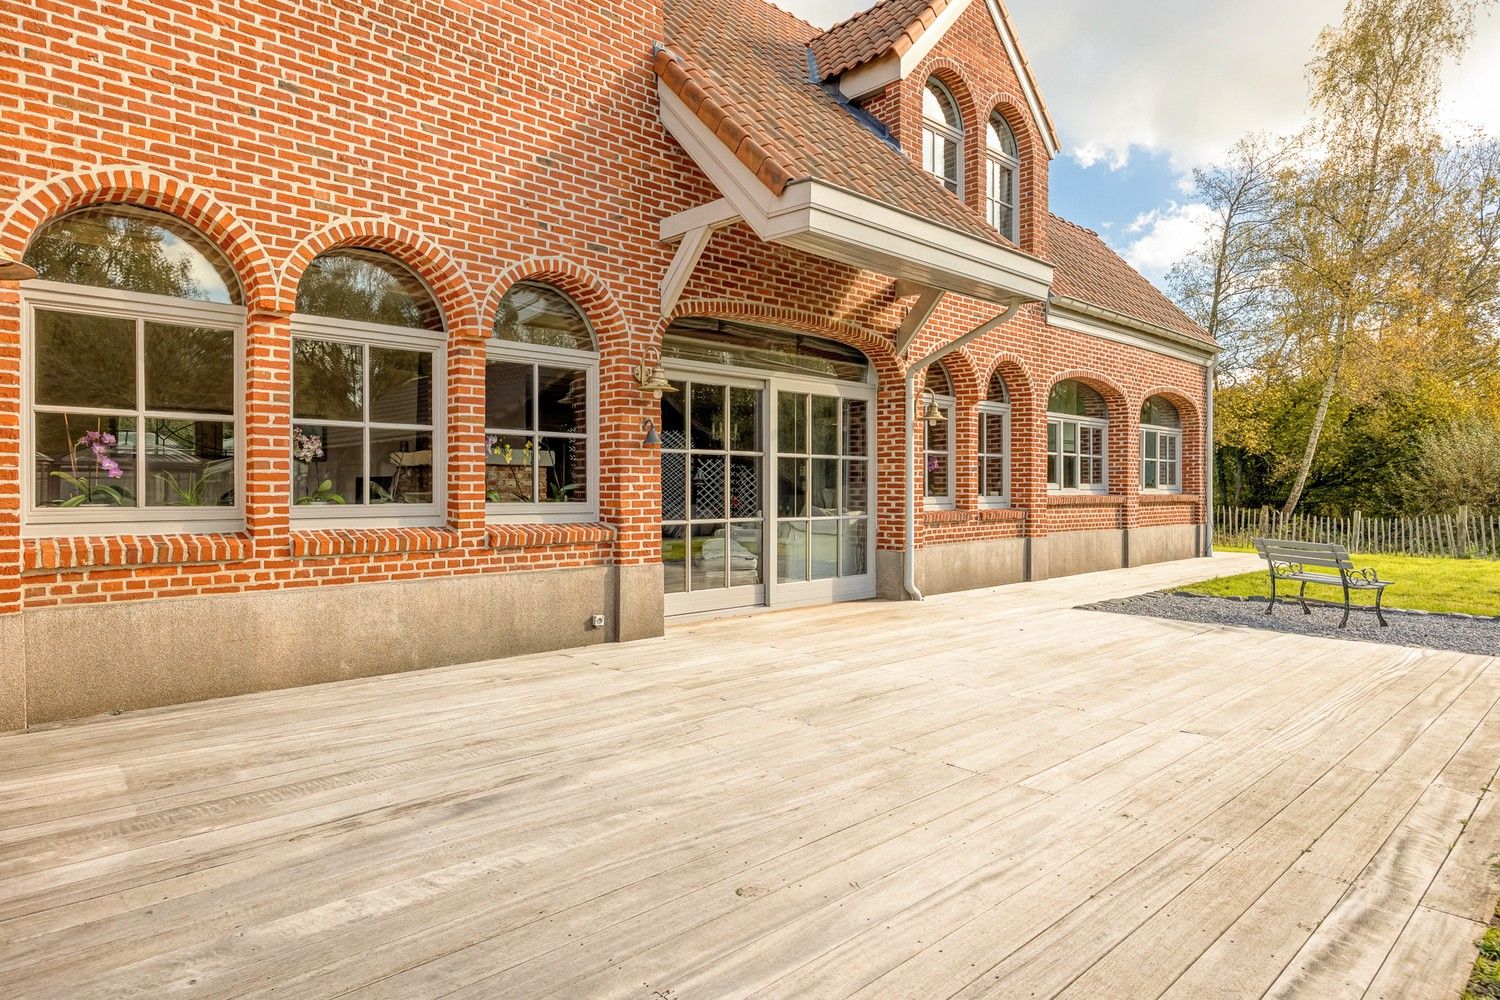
column 597, row 621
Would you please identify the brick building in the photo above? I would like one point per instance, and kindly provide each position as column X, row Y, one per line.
column 367, row 336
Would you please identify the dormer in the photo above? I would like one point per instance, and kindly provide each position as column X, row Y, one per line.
column 948, row 81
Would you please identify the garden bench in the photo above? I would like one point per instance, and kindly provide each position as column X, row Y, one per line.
column 1290, row 561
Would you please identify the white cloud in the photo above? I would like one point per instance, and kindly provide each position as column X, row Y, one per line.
column 1163, row 236
column 1188, row 77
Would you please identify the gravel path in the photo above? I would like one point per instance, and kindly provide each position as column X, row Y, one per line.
column 1407, row 628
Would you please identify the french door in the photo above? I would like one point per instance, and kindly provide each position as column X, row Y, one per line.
column 767, row 489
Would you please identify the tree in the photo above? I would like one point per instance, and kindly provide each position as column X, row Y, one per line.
column 1460, row 466
column 1355, row 219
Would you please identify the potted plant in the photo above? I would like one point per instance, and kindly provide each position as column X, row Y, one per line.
column 88, row 490
column 307, row 450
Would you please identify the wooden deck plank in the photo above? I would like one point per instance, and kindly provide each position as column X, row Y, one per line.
column 987, row 794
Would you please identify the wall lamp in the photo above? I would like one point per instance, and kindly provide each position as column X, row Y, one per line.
column 653, row 440
column 652, row 379
column 932, row 413
column 14, row 270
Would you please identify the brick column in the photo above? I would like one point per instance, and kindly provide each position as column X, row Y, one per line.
column 465, row 440
column 268, row 433
column 12, row 634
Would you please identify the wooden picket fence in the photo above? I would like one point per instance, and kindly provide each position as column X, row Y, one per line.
column 1461, row 533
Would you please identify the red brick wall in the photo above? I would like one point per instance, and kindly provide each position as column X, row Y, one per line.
column 482, row 144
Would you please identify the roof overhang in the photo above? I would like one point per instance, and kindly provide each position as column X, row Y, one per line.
column 832, row 222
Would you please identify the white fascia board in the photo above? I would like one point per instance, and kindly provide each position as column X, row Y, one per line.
column 877, row 73
column 1141, row 335
column 1033, row 100
column 831, row 222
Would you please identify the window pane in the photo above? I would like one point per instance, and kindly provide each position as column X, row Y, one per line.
column 563, row 464
column 327, row 380
column 332, row 473
column 189, row 369
column 507, row 396
column 710, row 556
column 937, row 476
column 134, row 250
column 825, row 425
column 856, row 428
column 823, row 491
column 1052, row 432
column 791, row 487
column 85, row 360
column 1148, row 474
column 674, row 558
column 992, row 434
column 791, row 420
column 85, row 461
column 400, row 386
column 825, row 550
column 674, row 417
column 856, row 535
column 937, row 435
column 563, row 399
column 856, row 487
column 992, row 477
column 709, row 501
column 708, row 417
column 1070, row 473
column 746, row 545
column 366, row 287
column 189, row 463
column 508, row 469
column 539, row 314
column 744, row 419
column 401, row 467
column 744, row 487
column 673, row 487
column 791, row 551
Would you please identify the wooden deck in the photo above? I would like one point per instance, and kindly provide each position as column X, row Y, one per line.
column 987, row 795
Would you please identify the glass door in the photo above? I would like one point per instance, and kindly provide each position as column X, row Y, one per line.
column 824, row 496
column 712, row 494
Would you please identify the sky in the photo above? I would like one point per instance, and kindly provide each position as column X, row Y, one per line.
column 1143, row 91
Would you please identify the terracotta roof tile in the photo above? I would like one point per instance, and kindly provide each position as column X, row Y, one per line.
column 749, row 60
column 889, row 26
column 1088, row 270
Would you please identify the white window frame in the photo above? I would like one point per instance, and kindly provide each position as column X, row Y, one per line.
column 1054, row 469
column 934, row 129
column 1001, row 411
column 996, row 161
column 1163, row 435
column 538, row 355
column 367, row 335
column 944, row 501
column 143, row 308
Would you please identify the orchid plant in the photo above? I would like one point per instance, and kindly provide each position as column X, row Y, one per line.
column 306, row 450
column 88, row 490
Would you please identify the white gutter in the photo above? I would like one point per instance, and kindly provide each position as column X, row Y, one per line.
column 1208, row 461
column 910, row 561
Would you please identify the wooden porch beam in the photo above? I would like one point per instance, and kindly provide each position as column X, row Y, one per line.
column 917, row 318
column 715, row 214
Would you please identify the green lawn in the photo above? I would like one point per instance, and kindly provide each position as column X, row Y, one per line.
column 1485, row 984
column 1468, row 586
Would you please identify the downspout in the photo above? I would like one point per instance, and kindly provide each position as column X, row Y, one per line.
column 1209, row 459
column 912, row 371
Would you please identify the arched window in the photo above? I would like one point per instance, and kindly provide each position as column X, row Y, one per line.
column 133, row 335
column 541, row 387
column 994, row 444
column 1002, row 178
column 1077, row 434
column 1161, row 446
column 939, row 448
column 942, row 135
column 367, row 391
